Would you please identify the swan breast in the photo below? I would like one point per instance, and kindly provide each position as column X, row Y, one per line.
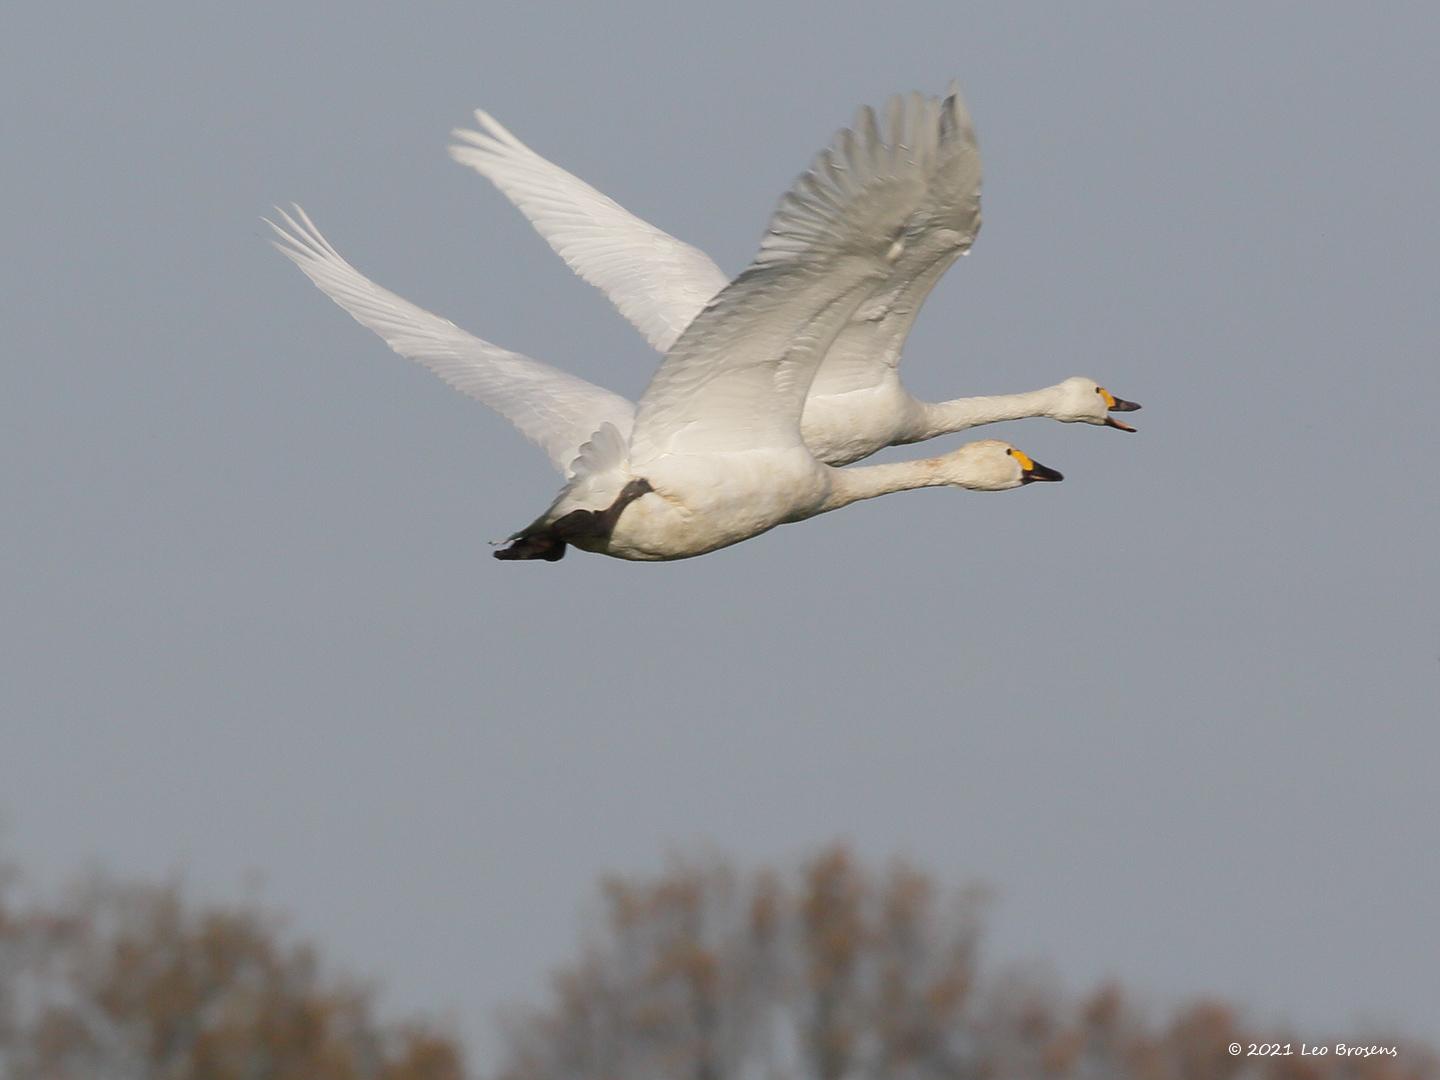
column 699, row 503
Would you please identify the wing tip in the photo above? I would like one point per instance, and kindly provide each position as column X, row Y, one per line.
column 909, row 140
column 299, row 238
column 494, row 138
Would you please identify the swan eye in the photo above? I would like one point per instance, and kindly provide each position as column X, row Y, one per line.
column 1109, row 397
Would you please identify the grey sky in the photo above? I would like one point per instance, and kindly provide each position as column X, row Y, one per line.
column 1180, row 710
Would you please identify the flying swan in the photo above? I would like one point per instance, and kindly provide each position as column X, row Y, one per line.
column 712, row 454
column 856, row 405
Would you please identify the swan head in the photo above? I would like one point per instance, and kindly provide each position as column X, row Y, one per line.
column 992, row 465
column 1085, row 401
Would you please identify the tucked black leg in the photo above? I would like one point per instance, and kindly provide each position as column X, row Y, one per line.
column 537, row 545
column 548, row 542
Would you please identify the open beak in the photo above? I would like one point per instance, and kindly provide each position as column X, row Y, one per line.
column 1115, row 404
column 1036, row 471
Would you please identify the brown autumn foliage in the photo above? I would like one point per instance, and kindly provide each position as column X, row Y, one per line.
column 121, row 982
column 838, row 972
column 833, row 971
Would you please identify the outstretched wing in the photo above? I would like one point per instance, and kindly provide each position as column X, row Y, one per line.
column 873, row 214
column 558, row 411
column 658, row 282
column 868, row 348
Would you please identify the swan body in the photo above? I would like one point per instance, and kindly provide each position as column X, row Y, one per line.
column 857, row 403
column 695, row 507
column 713, row 453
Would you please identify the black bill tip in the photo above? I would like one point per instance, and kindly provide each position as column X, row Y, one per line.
column 1040, row 472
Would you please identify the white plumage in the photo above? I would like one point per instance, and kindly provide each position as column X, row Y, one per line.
column 712, row 453
column 856, row 403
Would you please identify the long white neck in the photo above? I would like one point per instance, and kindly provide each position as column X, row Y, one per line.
column 943, row 417
column 857, row 482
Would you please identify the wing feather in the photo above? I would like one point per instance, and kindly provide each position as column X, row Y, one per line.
column 657, row 282
column 559, row 411
column 872, row 215
column 660, row 283
column 869, row 347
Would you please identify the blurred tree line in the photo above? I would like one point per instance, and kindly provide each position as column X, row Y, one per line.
column 829, row 971
column 838, row 972
column 130, row 982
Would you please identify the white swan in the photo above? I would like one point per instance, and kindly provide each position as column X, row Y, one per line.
column 857, row 404
column 712, row 454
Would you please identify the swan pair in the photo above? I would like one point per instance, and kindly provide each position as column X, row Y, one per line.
column 714, row 453
column 856, row 403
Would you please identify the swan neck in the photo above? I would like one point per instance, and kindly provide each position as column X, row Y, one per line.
column 944, row 417
column 857, row 482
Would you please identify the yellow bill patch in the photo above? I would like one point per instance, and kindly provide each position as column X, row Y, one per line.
column 1024, row 459
column 1109, row 397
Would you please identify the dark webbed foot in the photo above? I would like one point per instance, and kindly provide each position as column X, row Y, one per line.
column 535, row 546
column 549, row 542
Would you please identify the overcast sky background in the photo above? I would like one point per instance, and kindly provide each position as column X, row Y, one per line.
column 1180, row 711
